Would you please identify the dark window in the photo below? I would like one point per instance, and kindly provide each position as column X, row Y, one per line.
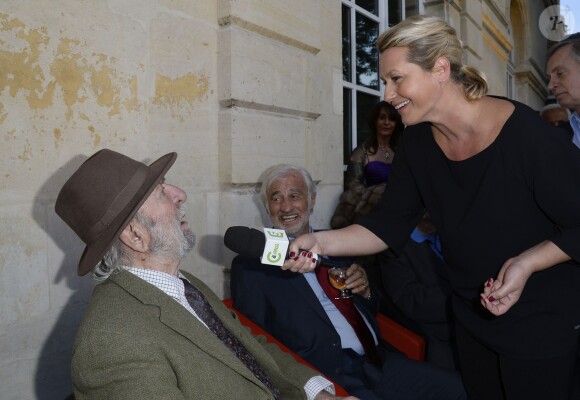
column 367, row 57
column 371, row 6
column 362, row 22
column 346, row 44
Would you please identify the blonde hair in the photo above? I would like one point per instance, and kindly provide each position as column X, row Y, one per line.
column 429, row 38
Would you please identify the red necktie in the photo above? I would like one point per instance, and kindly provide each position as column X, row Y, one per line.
column 349, row 311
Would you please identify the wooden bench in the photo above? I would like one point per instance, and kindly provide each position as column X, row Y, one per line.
column 404, row 340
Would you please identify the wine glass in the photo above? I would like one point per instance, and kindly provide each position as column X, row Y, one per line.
column 337, row 278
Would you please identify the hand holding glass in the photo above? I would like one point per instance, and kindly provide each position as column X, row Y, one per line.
column 337, row 277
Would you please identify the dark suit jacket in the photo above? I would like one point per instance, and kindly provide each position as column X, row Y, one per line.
column 284, row 304
column 136, row 342
column 417, row 284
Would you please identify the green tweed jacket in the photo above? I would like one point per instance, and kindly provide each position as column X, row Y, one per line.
column 135, row 342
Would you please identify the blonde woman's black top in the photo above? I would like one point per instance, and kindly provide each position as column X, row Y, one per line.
column 521, row 190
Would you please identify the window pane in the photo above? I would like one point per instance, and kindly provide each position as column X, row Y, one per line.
column 394, row 12
column 364, row 105
column 371, row 6
column 346, row 45
column 367, row 57
column 346, row 124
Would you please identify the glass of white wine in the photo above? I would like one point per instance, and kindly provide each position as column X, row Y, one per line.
column 337, row 278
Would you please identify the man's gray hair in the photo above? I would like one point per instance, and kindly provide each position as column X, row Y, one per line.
column 110, row 263
column 573, row 40
column 113, row 261
column 276, row 171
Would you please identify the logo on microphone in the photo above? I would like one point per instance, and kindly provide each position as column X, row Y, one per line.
column 276, row 247
column 274, row 255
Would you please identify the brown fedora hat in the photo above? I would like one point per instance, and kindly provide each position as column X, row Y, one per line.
column 103, row 195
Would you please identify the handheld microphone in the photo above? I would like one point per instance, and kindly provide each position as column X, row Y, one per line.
column 250, row 242
column 271, row 246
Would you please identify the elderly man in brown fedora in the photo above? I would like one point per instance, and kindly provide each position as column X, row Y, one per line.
column 152, row 331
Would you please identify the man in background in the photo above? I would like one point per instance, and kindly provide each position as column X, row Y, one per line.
column 563, row 69
column 418, row 292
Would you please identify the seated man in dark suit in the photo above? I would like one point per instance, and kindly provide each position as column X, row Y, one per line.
column 298, row 310
column 418, row 291
column 152, row 330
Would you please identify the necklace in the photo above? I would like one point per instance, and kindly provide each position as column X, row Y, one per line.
column 386, row 149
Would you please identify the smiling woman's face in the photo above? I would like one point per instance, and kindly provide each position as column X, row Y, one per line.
column 408, row 87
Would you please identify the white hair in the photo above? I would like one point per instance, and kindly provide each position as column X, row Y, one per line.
column 553, row 106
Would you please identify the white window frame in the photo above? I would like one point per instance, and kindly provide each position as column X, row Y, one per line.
column 509, row 78
column 382, row 20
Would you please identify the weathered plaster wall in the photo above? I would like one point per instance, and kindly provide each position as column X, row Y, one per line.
column 135, row 76
column 232, row 86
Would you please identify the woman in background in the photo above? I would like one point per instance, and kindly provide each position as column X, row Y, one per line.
column 369, row 166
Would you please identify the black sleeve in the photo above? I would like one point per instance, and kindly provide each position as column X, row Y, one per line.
column 415, row 283
column 554, row 162
column 401, row 206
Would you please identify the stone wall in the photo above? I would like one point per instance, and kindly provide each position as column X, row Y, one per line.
column 233, row 86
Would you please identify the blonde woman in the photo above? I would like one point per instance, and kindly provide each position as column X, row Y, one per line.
column 503, row 191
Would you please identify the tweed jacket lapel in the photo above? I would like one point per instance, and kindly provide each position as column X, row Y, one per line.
column 243, row 334
column 177, row 318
